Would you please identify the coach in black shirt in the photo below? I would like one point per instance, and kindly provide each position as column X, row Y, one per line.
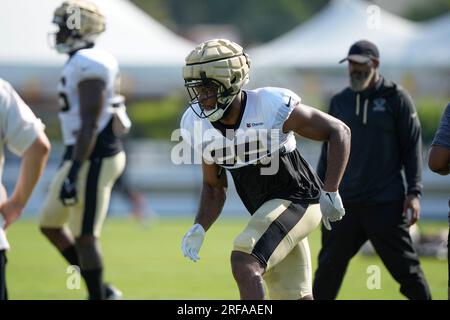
column 386, row 139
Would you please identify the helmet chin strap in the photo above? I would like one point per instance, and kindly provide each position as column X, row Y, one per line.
column 218, row 113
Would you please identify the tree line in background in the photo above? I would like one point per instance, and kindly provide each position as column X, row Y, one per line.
column 157, row 119
column 257, row 21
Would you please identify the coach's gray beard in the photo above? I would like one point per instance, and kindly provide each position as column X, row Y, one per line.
column 360, row 80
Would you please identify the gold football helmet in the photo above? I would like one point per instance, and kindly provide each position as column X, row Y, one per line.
column 80, row 22
column 217, row 63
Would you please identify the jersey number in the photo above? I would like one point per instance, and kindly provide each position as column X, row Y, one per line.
column 243, row 153
column 63, row 102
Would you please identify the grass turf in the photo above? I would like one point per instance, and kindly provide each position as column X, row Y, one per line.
column 146, row 263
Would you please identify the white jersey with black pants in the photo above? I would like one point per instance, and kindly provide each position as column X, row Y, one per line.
column 107, row 160
column 283, row 200
column 19, row 128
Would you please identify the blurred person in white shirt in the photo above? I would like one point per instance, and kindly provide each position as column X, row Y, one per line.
column 24, row 135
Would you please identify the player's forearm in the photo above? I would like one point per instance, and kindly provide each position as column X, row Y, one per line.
column 86, row 140
column 338, row 153
column 211, row 205
column 32, row 166
column 439, row 160
column 92, row 98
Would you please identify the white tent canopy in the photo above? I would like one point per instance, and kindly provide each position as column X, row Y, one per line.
column 431, row 46
column 150, row 55
column 325, row 38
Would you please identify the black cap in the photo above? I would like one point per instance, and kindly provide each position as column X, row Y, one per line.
column 362, row 52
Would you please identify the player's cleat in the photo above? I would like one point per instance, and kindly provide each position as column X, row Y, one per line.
column 112, row 293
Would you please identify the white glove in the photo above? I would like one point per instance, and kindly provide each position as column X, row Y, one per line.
column 331, row 207
column 192, row 241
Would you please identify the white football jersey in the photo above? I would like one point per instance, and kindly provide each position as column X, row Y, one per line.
column 91, row 63
column 258, row 135
column 19, row 128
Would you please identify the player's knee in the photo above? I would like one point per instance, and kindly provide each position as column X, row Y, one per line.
column 245, row 267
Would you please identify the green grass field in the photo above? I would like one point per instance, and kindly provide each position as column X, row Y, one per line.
column 146, row 263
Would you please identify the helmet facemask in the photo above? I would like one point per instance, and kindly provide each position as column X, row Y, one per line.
column 202, row 90
column 68, row 41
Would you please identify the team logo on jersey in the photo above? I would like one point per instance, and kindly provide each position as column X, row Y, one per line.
column 379, row 105
column 288, row 101
column 254, row 124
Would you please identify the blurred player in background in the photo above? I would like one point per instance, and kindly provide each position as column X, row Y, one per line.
column 93, row 118
column 140, row 210
column 439, row 162
column 24, row 135
column 278, row 187
column 133, row 196
column 386, row 138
